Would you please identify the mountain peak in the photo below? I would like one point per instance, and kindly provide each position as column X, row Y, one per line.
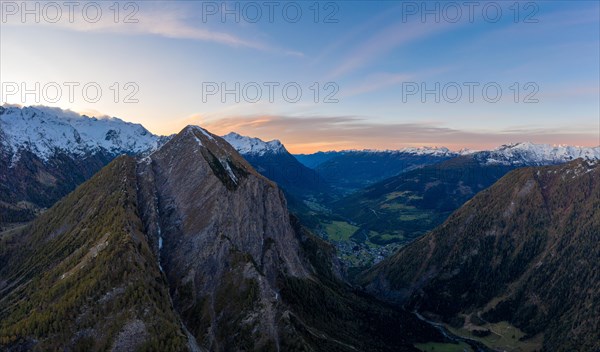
column 250, row 145
column 193, row 129
column 223, row 159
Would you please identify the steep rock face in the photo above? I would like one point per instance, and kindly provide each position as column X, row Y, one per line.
column 525, row 250
column 218, row 218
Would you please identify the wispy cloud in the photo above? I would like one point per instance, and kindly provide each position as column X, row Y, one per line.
column 349, row 37
column 313, row 133
column 389, row 38
column 159, row 19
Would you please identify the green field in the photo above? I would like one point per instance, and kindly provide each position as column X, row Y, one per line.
column 444, row 347
column 315, row 206
column 385, row 236
column 413, row 216
column 397, row 206
column 504, row 337
column 340, row 230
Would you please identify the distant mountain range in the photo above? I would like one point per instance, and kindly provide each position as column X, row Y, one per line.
column 529, row 154
column 254, row 146
column 524, row 250
column 351, row 170
column 523, row 153
column 46, row 131
column 348, row 171
column 412, row 203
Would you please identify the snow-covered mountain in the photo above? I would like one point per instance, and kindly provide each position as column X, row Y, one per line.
column 529, row 154
column 249, row 145
column 44, row 131
column 419, row 151
column 434, row 151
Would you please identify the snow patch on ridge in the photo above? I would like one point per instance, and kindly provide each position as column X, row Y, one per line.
column 227, row 168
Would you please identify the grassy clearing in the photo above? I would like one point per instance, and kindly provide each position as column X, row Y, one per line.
column 397, row 206
column 410, row 217
column 444, row 347
column 315, row 206
column 340, row 230
column 504, row 336
column 387, row 236
column 394, row 195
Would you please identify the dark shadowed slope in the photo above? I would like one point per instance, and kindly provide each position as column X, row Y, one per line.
column 525, row 250
column 349, row 171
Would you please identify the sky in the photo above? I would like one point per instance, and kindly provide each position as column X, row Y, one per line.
column 316, row 75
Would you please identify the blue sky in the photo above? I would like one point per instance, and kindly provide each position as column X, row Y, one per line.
column 370, row 55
